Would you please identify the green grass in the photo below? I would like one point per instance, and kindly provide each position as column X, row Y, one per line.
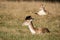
column 12, row 16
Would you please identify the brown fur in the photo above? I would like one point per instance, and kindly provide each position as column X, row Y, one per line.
column 40, row 30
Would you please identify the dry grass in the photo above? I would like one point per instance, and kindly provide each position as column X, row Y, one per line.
column 12, row 16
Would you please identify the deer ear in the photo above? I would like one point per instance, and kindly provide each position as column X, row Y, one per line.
column 43, row 6
column 28, row 18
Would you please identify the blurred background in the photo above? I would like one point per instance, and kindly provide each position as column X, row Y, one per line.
column 13, row 13
column 33, row 0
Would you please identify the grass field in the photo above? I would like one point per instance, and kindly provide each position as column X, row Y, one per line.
column 12, row 16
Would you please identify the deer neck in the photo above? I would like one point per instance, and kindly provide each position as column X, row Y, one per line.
column 31, row 28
